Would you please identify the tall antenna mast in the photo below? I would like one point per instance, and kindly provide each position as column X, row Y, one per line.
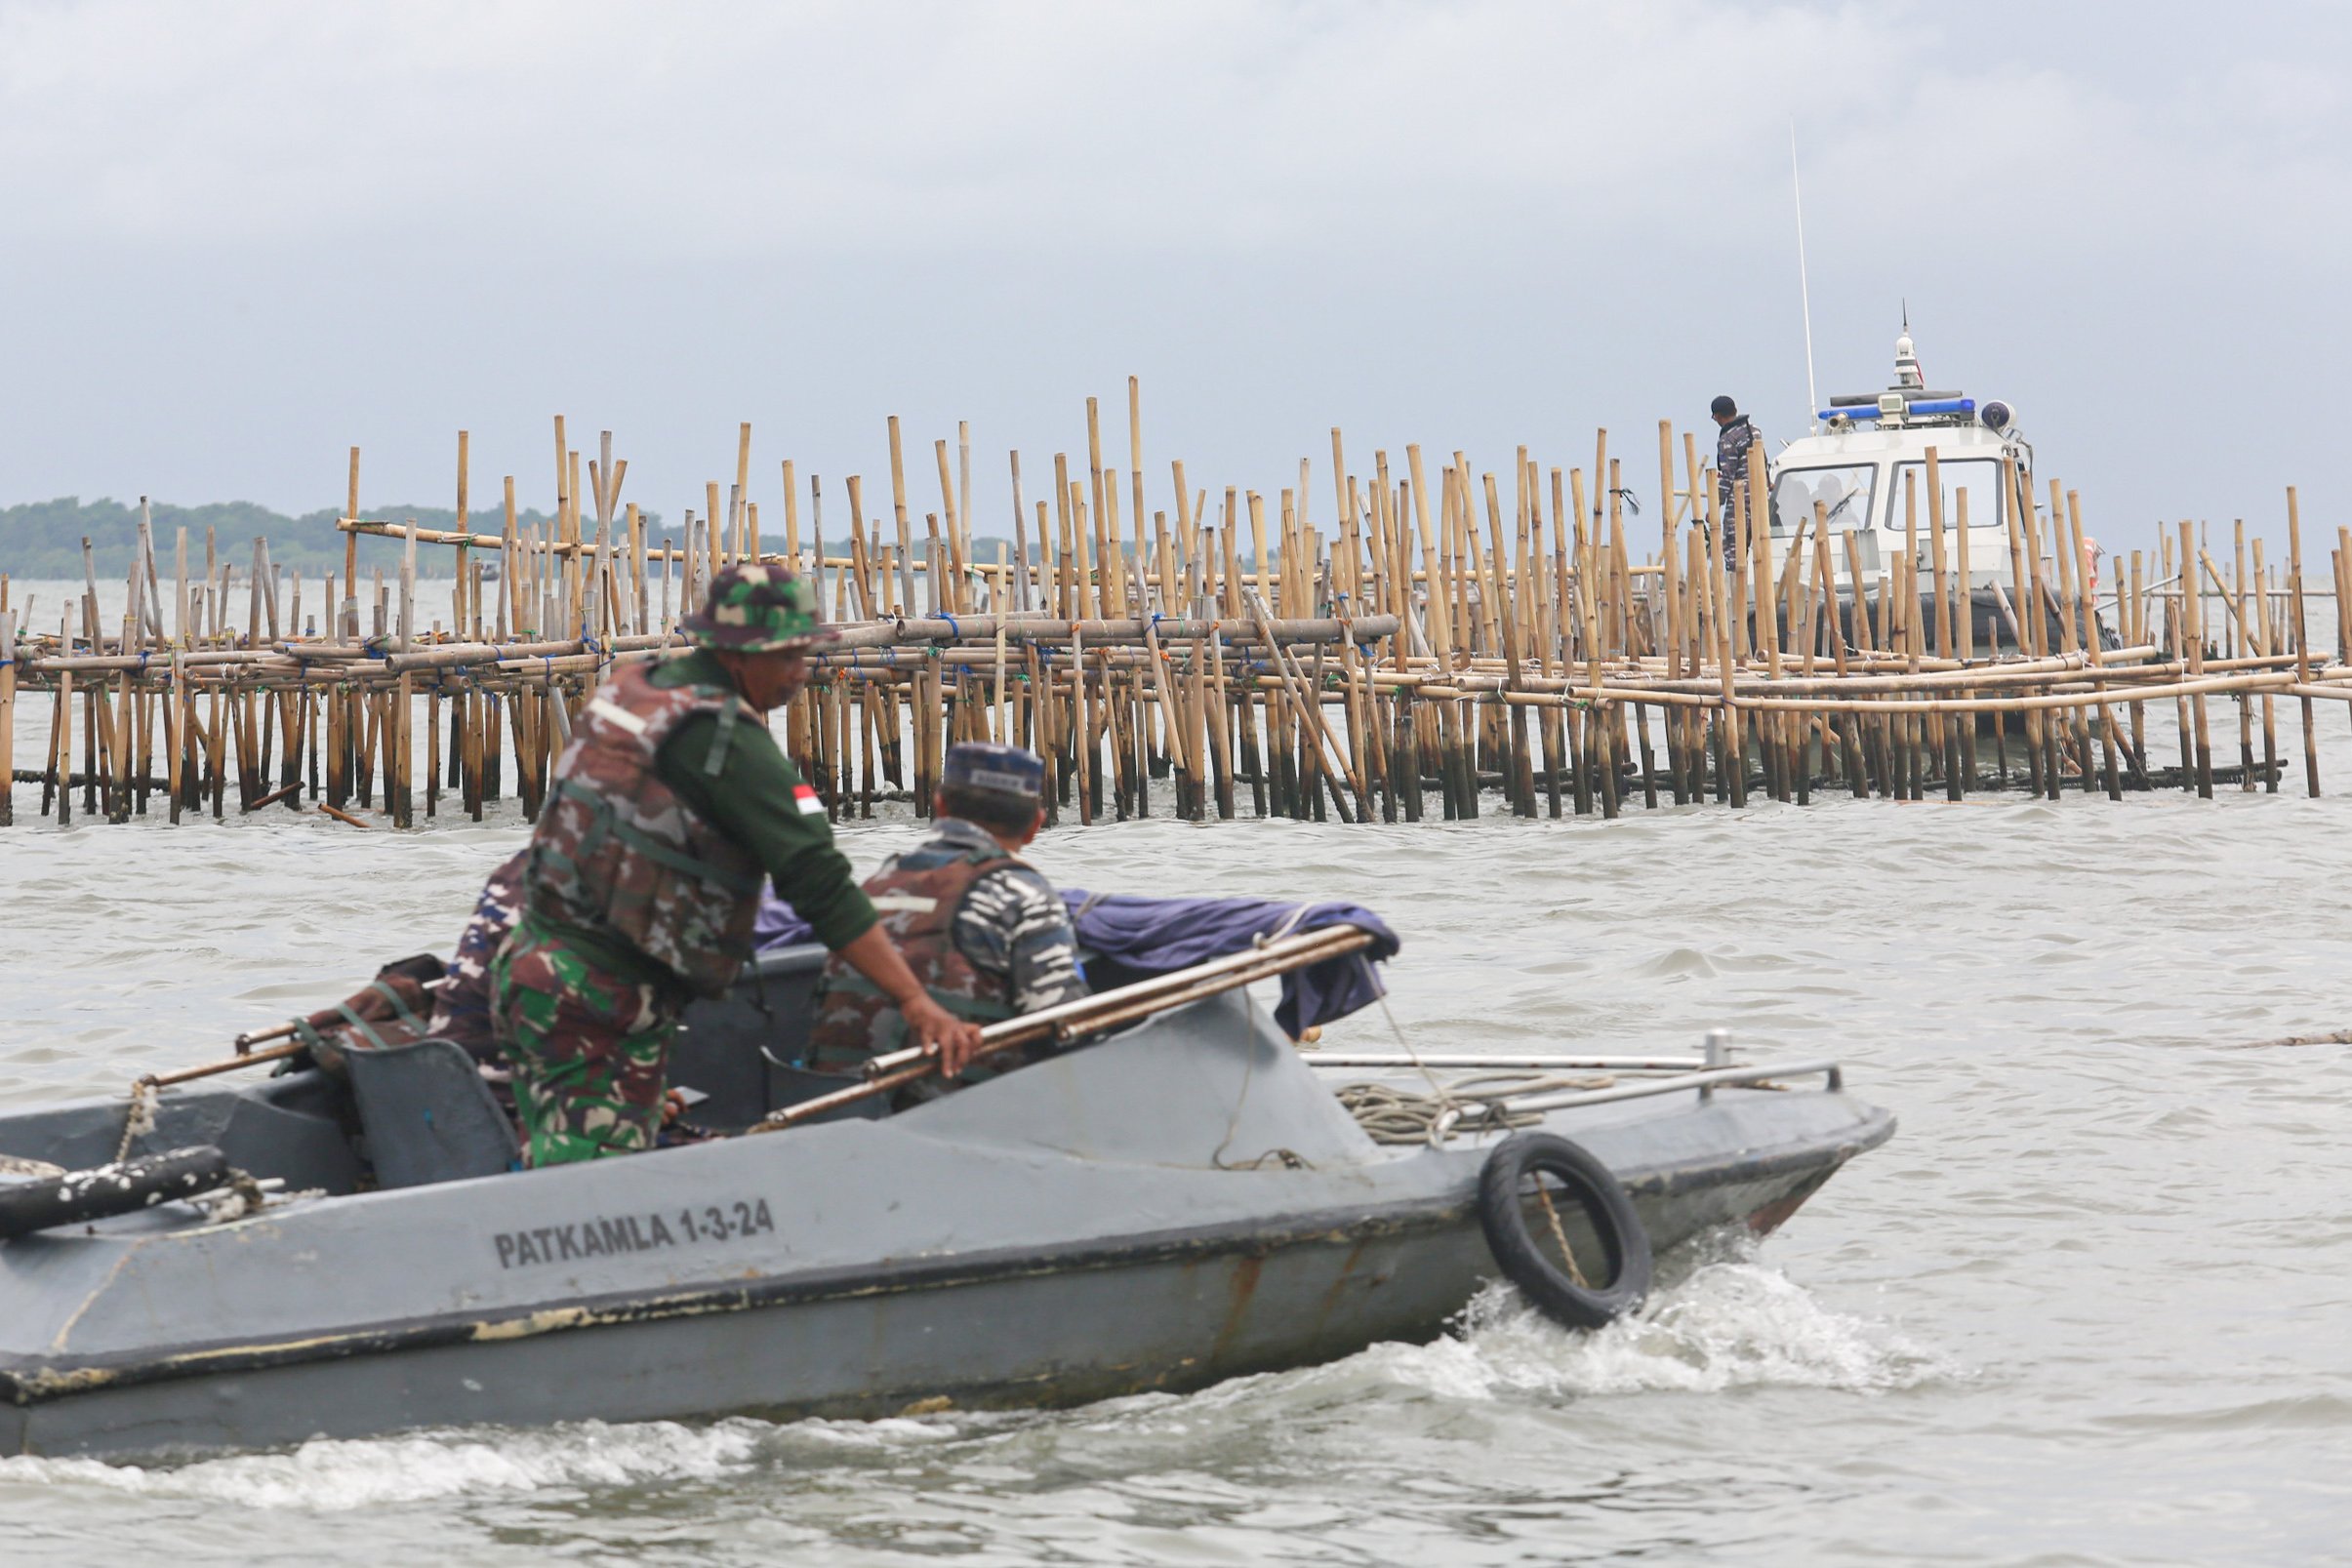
column 1804, row 289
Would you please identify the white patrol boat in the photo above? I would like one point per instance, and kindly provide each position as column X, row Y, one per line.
column 1864, row 469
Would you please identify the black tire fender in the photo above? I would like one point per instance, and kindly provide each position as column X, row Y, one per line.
column 105, row 1191
column 1526, row 1258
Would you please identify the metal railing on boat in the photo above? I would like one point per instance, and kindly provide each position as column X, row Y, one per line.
column 1394, row 1115
column 1759, row 1076
column 1503, row 1061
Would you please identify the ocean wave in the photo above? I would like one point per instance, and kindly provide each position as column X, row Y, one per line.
column 1729, row 1324
column 338, row 1475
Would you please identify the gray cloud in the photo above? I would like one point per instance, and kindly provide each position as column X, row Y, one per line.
column 242, row 237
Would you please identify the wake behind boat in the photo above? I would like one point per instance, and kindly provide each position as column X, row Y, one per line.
column 1187, row 1198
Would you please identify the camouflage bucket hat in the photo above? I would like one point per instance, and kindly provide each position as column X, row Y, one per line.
column 755, row 607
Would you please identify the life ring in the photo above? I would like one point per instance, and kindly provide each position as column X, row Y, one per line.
column 122, row 1187
column 1533, row 1255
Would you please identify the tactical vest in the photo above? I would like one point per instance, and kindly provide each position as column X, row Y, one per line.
column 615, row 850
column 855, row 1020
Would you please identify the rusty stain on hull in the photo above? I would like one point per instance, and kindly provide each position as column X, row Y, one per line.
column 1246, row 1272
column 1775, row 1214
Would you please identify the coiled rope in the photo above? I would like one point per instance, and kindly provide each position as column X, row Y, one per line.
column 1479, row 1104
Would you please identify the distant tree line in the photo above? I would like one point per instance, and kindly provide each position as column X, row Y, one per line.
column 43, row 539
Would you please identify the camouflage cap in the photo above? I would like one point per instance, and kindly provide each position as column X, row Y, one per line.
column 757, row 607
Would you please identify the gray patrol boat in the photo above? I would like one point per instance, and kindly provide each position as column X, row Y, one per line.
column 1183, row 1197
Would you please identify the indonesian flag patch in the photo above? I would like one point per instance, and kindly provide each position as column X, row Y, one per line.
column 806, row 799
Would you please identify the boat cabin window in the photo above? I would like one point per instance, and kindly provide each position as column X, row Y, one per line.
column 1978, row 478
column 1843, row 492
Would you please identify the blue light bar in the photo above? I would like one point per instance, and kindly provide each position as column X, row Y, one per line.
column 1867, row 410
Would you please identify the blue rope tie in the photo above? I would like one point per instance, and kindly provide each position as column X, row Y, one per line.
column 953, row 630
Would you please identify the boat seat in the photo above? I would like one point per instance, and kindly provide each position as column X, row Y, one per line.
column 428, row 1116
column 725, row 1044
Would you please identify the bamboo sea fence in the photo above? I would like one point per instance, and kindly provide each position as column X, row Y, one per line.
column 1416, row 637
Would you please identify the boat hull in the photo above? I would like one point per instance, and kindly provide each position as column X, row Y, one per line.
column 1029, row 1254
column 984, row 1334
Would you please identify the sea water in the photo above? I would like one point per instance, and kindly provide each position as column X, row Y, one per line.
column 2092, row 1305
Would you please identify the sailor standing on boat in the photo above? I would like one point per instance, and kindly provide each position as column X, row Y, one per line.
column 665, row 814
column 1735, row 438
column 981, row 927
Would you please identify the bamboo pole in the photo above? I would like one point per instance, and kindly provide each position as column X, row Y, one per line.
column 2193, row 634
column 8, row 717
column 2298, row 628
column 2265, row 641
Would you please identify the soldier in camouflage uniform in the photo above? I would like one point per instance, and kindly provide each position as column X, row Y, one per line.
column 981, row 928
column 1734, row 439
column 642, row 879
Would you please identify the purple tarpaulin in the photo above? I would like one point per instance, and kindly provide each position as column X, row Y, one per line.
column 1127, row 938
column 779, row 924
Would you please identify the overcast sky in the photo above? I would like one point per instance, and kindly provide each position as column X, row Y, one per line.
column 240, row 238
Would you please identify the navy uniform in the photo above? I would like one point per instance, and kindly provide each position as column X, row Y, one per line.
column 1735, row 437
column 462, row 1006
column 982, row 928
